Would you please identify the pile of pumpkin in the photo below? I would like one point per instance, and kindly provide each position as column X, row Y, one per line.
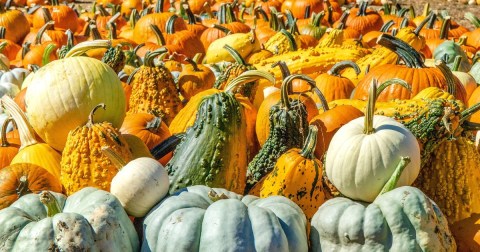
column 240, row 126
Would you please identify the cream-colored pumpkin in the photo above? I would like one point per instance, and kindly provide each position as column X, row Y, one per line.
column 363, row 154
column 61, row 94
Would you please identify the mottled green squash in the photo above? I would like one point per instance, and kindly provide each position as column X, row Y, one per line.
column 114, row 58
column 288, row 129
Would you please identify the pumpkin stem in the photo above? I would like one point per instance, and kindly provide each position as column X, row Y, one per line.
column 235, row 55
column 47, row 52
column 3, row 132
column 154, row 124
column 422, row 24
column 168, row 145
column 386, row 26
column 473, row 19
column 456, row 63
column 133, row 18
column 116, row 159
column 260, row 12
column 94, row 31
column 407, row 53
column 449, row 77
column 22, row 187
column 47, row 16
column 49, row 201
column 392, row 182
column 308, row 150
column 65, row 48
column 170, row 26
column 215, row 197
column 362, row 9
column 83, row 47
column 283, row 69
column 340, row 66
column 431, row 21
column 193, row 63
column 317, row 20
column 469, row 112
column 27, row 134
column 47, row 26
column 247, row 77
column 222, row 28
column 446, row 23
column 191, row 20
column 158, row 34
column 290, row 38
column 112, row 26
column 150, row 56
column 90, row 122
column 4, row 66
column 3, row 31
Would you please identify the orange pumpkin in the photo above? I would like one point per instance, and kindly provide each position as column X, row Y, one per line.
column 298, row 7
column 19, row 179
column 333, row 85
column 149, row 128
column 364, row 20
column 15, row 22
column 64, row 17
column 8, row 149
column 11, row 49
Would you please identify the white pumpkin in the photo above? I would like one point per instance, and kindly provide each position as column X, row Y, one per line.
column 7, row 88
column 15, row 76
column 139, row 185
column 363, row 154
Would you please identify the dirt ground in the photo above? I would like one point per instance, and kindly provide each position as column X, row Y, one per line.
column 455, row 8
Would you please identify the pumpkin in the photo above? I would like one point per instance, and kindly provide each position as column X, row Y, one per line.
column 10, row 48
column 297, row 175
column 362, row 155
column 7, row 150
column 243, row 43
column 20, row 179
column 332, row 85
column 192, row 24
column 298, row 7
column 473, row 37
column 182, row 41
column 447, row 51
column 139, row 184
column 92, row 83
column 315, row 28
column 153, row 89
column 15, row 23
column 89, row 220
column 224, row 221
column 400, row 219
column 137, row 147
column 148, row 127
column 364, row 20
column 288, row 125
column 195, row 78
column 81, row 164
column 115, row 58
column 31, row 151
column 467, row 80
column 14, row 76
column 64, row 17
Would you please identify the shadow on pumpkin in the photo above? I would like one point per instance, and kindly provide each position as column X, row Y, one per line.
column 467, row 233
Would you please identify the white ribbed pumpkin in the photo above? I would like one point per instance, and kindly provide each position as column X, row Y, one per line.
column 61, row 95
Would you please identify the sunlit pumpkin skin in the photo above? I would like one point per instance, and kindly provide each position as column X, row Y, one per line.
column 11, row 48
column 65, row 17
column 82, row 164
column 8, row 149
column 297, row 7
column 297, row 175
column 364, row 20
column 93, row 83
column 136, row 146
column 153, row 89
column 19, row 179
column 142, row 33
column 195, row 78
column 90, row 220
column 15, row 23
column 244, row 223
column 332, row 85
column 328, row 124
column 149, row 128
column 214, row 150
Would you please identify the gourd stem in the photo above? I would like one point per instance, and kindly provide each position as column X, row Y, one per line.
column 154, row 124
column 3, row 45
column 47, row 52
column 343, row 20
column 158, row 34
column 469, row 112
column 3, row 132
column 116, row 159
column 410, row 56
column 150, row 56
column 3, row 31
column 247, row 77
column 411, row 12
column 47, row 16
column 368, row 122
column 335, row 70
column 27, row 134
column 83, row 47
column 473, row 19
column 330, row 14
column 103, row 12
column 387, row 9
column 170, row 26
column 470, row 126
column 90, row 122
column 386, row 26
column 193, row 63
column 94, row 31
column 222, row 28
column 362, row 9
column 47, row 26
column 445, row 28
column 168, row 145
column 215, row 197
column 393, row 180
column 49, row 201
column 308, row 150
column 260, row 12
column 426, row 9
column 22, row 187
column 422, row 24
column 133, row 18
column 159, row 6
column 291, row 39
column 456, row 63
column 190, row 16
column 317, row 21
column 112, row 26
column 449, row 77
column 308, row 10
column 235, row 55
column 403, row 23
column 431, row 21
column 402, row 12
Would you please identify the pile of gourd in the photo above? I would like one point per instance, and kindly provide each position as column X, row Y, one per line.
column 262, row 125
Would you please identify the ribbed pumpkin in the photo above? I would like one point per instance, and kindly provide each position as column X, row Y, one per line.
column 82, row 163
column 333, row 85
column 19, row 179
column 153, row 89
column 8, row 150
column 84, row 87
column 297, row 175
column 194, row 78
column 148, row 127
column 15, row 22
column 364, row 20
column 31, row 151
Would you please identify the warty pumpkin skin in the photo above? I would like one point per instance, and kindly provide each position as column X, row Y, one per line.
column 19, row 179
column 89, row 220
column 82, row 164
column 402, row 219
column 297, row 175
column 84, row 82
column 217, row 219
column 153, row 89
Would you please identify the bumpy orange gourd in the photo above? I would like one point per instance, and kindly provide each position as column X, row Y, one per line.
column 297, row 175
column 83, row 163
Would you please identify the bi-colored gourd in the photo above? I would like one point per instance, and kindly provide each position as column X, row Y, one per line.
column 362, row 155
column 220, row 220
column 82, row 163
column 89, row 220
column 400, row 219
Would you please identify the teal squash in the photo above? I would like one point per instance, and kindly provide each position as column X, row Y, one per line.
column 89, row 220
column 475, row 70
column 447, row 51
column 199, row 218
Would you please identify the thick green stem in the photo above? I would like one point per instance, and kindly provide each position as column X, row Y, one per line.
column 386, row 26
column 308, row 150
column 3, row 31
column 158, row 34
column 291, row 40
column 47, row 52
column 22, row 187
column 194, row 64
column 449, row 77
column 406, row 52
column 116, row 159
column 392, row 182
column 260, row 12
column 445, row 28
column 49, row 201
column 431, row 21
column 159, row 6
column 362, row 9
column 3, row 66
column 167, row 146
column 469, row 112
column 247, row 77
column 403, row 23
column 47, row 26
column 456, row 63
column 235, row 55
column 170, row 26
column 340, row 66
column 422, row 24
column 150, row 56
column 473, row 19
column 83, row 47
